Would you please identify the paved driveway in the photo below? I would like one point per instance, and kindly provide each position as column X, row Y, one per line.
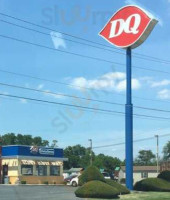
column 25, row 192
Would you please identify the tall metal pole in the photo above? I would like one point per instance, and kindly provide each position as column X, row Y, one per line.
column 157, row 152
column 91, row 146
column 129, row 122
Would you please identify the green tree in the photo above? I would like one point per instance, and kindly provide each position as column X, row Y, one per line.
column 54, row 143
column 45, row 143
column 145, row 157
column 37, row 141
column 19, row 139
column 166, row 151
column 8, row 139
column 77, row 155
column 106, row 162
column 24, row 139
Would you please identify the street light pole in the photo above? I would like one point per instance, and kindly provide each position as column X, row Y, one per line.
column 157, row 152
column 91, row 146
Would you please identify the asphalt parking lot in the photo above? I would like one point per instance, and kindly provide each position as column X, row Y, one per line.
column 26, row 192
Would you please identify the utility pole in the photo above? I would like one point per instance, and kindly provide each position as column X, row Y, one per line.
column 91, row 146
column 157, row 152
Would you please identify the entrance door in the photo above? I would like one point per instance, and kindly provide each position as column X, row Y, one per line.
column 5, row 173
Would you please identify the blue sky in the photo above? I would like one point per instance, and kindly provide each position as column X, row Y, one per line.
column 70, row 126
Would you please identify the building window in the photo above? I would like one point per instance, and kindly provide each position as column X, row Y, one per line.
column 27, row 170
column 144, row 175
column 41, row 170
column 55, row 170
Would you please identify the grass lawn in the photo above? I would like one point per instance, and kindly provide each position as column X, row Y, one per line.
column 147, row 196
column 143, row 196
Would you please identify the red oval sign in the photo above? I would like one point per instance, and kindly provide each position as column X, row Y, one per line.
column 129, row 27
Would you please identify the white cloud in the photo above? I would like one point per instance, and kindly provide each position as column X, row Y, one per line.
column 164, row 94
column 110, row 81
column 58, row 40
column 121, row 86
column 114, row 75
column 164, row 82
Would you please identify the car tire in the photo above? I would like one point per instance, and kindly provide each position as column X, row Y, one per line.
column 74, row 184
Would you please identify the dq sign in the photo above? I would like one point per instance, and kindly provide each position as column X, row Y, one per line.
column 129, row 27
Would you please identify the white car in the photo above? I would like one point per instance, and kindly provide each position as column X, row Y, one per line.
column 75, row 181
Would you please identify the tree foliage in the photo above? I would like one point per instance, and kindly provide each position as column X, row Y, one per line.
column 79, row 156
column 166, row 151
column 19, row 139
column 145, row 157
column 106, row 162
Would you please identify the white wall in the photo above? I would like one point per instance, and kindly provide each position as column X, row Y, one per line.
column 137, row 176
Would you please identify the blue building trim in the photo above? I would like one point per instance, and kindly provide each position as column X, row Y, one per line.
column 19, row 150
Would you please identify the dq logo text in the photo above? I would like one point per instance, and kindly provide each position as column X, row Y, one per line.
column 129, row 27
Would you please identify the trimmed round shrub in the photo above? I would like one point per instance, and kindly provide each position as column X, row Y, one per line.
column 165, row 175
column 121, row 189
column 91, row 174
column 96, row 189
column 153, row 184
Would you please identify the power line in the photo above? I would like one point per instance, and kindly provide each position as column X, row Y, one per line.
column 153, row 109
column 62, row 51
column 81, row 87
column 78, row 97
column 47, row 34
column 44, row 104
column 98, row 112
column 154, row 59
column 59, row 94
column 122, row 143
column 77, row 54
column 82, row 107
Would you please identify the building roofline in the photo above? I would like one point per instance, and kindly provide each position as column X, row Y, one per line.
column 142, row 168
column 35, row 158
column 20, row 145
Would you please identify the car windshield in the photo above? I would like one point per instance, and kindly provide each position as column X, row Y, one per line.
column 73, row 176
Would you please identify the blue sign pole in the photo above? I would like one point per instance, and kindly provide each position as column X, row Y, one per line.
column 129, row 122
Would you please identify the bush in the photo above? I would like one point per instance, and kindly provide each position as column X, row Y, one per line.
column 23, row 182
column 96, row 189
column 122, row 189
column 91, row 174
column 165, row 175
column 153, row 184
